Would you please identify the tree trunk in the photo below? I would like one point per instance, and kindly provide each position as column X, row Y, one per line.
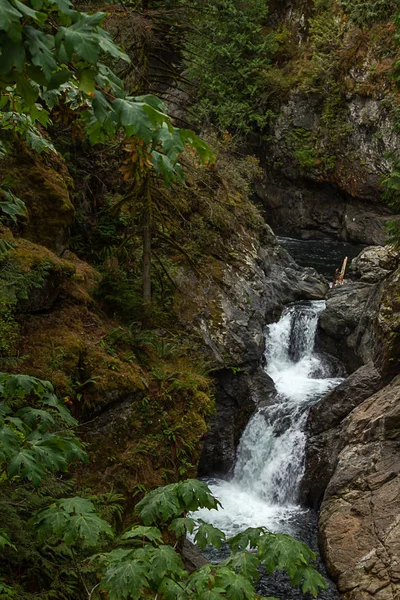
column 147, row 246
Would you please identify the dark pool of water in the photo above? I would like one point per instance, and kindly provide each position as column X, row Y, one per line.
column 324, row 255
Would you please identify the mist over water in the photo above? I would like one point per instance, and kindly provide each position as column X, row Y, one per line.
column 270, row 459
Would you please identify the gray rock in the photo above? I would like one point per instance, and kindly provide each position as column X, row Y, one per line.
column 237, row 397
column 229, row 311
column 324, row 428
column 335, row 406
column 361, row 321
column 360, row 516
column 313, row 210
column 374, row 263
column 336, row 191
column 192, row 557
column 346, row 320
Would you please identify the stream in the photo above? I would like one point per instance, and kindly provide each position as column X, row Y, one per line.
column 324, row 255
column 264, row 488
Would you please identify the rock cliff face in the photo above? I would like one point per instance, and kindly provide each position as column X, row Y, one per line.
column 360, row 322
column 335, row 122
column 229, row 311
column 359, row 522
column 352, row 461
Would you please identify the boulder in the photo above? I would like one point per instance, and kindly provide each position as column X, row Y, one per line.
column 192, row 557
column 361, row 322
column 360, row 514
column 344, row 327
column 374, row 263
column 31, row 276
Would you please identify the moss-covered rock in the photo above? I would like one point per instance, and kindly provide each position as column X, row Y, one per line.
column 31, row 276
column 43, row 183
column 336, row 109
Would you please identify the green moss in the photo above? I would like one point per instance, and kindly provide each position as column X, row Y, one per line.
column 9, row 332
column 43, row 184
column 27, row 267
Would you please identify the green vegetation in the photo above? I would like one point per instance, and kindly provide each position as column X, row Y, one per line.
column 91, row 163
column 70, row 545
column 391, row 183
column 51, row 54
column 365, row 14
column 227, row 53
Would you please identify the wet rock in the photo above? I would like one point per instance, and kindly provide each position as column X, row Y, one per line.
column 192, row 557
column 335, row 406
column 313, row 210
column 228, row 310
column 360, row 518
column 361, row 322
column 237, row 397
column 324, row 428
column 344, row 328
column 374, row 263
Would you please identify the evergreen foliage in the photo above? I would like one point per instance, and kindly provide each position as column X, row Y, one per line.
column 366, row 13
column 227, row 51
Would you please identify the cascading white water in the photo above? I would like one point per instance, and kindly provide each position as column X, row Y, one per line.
column 270, row 457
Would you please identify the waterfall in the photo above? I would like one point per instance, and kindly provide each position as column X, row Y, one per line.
column 270, row 457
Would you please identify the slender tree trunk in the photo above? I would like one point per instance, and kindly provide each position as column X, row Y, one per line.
column 147, row 225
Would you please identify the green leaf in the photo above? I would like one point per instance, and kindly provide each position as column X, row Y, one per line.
column 203, row 150
column 88, row 527
column 139, row 531
column 107, row 45
column 250, row 537
column 57, row 79
column 244, row 563
column 38, row 17
column 280, row 551
column 171, row 590
column 195, row 494
column 161, row 504
column 203, row 579
column 128, row 579
column 182, row 526
column 165, row 561
column 24, row 464
column 236, row 586
column 9, row 21
column 40, row 46
column 81, row 37
column 73, row 520
column 35, row 416
column 12, row 55
column 313, row 581
column 208, row 535
column 63, row 5
column 24, row 87
column 39, row 143
column 5, row 540
column 12, row 206
column 133, row 118
column 87, row 81
column 76, row 505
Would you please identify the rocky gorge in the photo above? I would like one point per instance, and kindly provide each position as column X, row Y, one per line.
column 245, row 368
